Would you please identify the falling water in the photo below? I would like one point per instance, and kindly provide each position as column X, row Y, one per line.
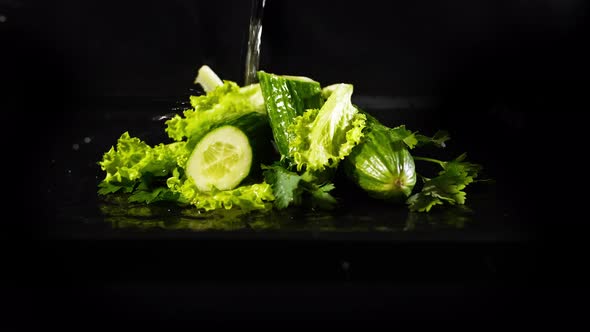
column 254, row 40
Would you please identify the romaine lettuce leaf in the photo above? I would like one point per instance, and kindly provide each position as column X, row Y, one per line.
column 324, row 137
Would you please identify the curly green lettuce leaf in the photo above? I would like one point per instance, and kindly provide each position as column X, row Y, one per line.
column 324, row 137
column 150, row 191
column 131, row 159
column 258, row 196
column 224, row 103
column 447, row 187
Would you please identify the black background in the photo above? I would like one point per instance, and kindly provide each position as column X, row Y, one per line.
column 503, row 72
column 482, row 50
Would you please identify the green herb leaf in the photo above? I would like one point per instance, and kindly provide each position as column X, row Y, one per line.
column 291, row 188
column 439, row 139
column 448, row 187
column 285, row 185
column 157, row 195
column 400, row 133
column 322, row 198
column 106, row 188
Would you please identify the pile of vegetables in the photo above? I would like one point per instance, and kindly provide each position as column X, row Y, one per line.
column 280, row 143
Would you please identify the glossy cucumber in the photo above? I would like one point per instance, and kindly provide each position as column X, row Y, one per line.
column 380, row 165
column 286, row 97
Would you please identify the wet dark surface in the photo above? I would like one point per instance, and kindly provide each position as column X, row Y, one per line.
column 366, row 259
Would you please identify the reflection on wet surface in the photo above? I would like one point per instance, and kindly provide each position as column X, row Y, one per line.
column 123, row 215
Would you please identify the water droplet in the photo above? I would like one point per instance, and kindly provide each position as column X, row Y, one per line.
column 87, row 139
column 163, row 117
column 69, row 171
column 76, row 146
column 345, row 265
column 2, row 18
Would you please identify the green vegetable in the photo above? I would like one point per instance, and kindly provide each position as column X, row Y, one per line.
column 133, row 161
column 439, row 139
column 221, row 153
column 166, row 173
column 219, row 106
column 322, row 138
column 293, row 189
column 447, row 187
column 285, row 185
column 208, row 79
column 287, row 97
column 221, row 160
column 247, row 197
column 152, row 174
column 228, row 154
column 382, row 164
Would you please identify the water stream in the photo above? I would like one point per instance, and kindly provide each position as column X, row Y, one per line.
column 254, row 41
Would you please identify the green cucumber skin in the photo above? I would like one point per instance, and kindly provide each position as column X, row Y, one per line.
column 305, row 94
column 257, row 129
column 285, row 99
column 383, row 168
column 251, row 124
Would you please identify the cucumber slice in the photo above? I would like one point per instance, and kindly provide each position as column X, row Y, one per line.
column 221, row 159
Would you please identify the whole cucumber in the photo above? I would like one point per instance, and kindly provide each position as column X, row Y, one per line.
column 381, row 165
